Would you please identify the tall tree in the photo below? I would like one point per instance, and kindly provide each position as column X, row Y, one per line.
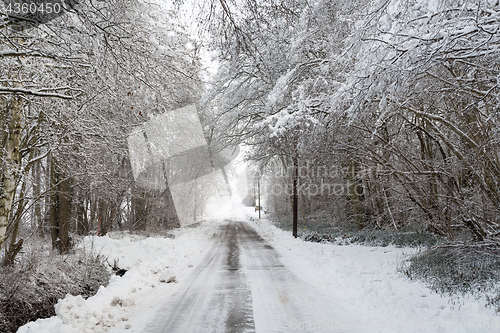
column 87, row 78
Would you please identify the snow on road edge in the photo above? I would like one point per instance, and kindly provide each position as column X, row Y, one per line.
column 373, row 296
column 147, row 259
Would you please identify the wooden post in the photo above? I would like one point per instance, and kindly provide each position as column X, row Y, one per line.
column 295, row 202
column 258, row 189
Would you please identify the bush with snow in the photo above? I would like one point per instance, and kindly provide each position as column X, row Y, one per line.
column 30, row 289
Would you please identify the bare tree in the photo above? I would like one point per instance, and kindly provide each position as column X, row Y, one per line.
column 78, row 85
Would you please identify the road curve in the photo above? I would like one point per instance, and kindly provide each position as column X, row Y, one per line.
column 241, row 286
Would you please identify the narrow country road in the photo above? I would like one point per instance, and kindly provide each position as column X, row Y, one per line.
column 241, row 286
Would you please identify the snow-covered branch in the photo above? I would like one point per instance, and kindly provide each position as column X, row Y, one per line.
column 39, row 93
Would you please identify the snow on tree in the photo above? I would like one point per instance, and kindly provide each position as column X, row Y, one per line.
column 82, row 81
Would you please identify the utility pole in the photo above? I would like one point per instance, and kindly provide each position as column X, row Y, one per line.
column 258, row 190
column 295, row 176
column 254, row 198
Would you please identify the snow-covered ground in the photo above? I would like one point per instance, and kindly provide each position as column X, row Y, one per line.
column 374, row 297
column 360, row 282
column 148, row 260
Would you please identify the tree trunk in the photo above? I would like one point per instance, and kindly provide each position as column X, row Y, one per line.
column 80, row 211
column 355, row 195
column 138, row 210
column 103, row 217
column 54, row 204
column 82, row 227
column 60, row 209
column 37, row 209
column 13, row 249
column 64, row 213
column 93, row 211
column 12, row 160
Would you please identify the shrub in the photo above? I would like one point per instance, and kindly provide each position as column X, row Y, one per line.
column 30, row 289
column 395, row 238
column 321, row 231
column 459, row 269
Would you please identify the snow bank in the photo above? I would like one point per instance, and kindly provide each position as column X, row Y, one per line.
column 374, row 297
column 149, row 262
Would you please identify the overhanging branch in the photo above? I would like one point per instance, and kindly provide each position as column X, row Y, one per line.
column 34, row 92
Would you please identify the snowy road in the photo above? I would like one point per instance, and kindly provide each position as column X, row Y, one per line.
column 232, row 279
column 241, row 286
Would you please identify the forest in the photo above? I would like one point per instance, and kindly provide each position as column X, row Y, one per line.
column 377, row 117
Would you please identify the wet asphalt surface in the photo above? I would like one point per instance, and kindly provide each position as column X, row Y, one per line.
column 241, row 286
